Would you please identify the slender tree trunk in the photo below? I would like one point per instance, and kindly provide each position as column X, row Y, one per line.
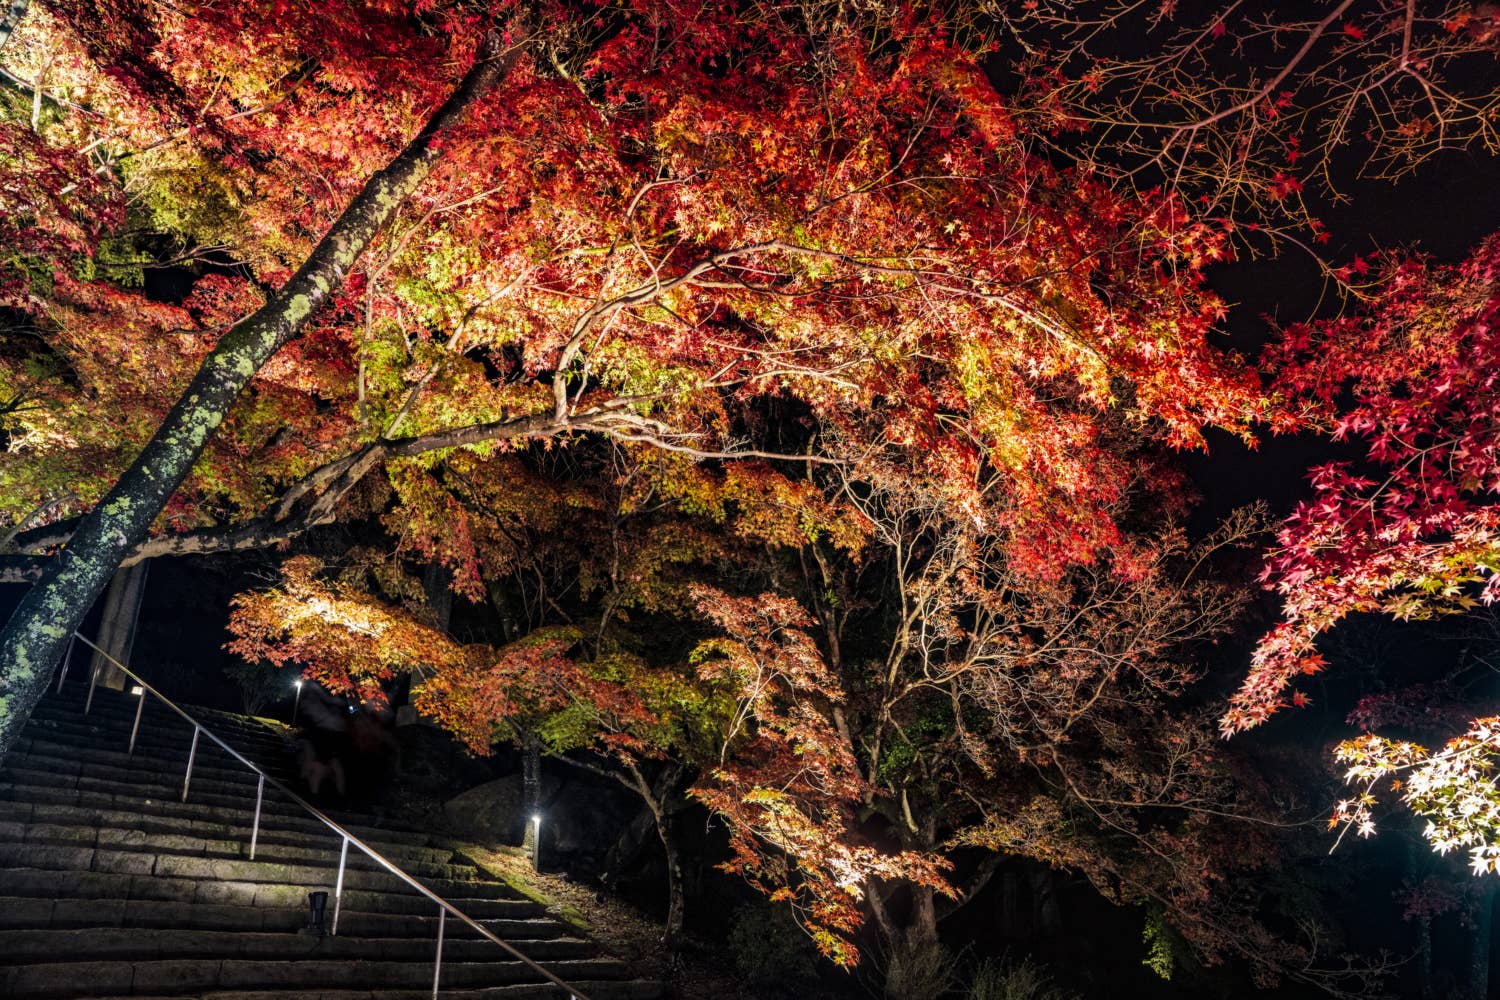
column 1479, row 946
column 531, row 773
column 531, row 795
column 658, row 797
column 122, row 609
column 1424, row 958
column 676, row 899
column 38, row 631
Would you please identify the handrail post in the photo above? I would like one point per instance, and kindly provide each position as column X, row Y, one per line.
column 437, row 962
column 320, row 816
column 338, row 889
column 93, row 679
column 62, row 674
column 260, row 791
column 192, row 755
column 137, row 726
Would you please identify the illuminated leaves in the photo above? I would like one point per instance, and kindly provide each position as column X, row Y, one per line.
column 1452, row 788
column 754, row 211
column 1421, row 537
column 787, row 782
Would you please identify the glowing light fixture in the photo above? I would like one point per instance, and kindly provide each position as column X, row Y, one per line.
column 137, row 690
column 296, row 702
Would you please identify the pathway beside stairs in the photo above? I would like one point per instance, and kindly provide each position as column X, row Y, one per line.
column 112, row 887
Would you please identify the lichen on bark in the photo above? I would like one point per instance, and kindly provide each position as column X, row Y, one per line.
column 37, row 634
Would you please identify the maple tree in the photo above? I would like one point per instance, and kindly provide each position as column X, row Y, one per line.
column 798, row 752
column 672, row 294
column 673, row 226
column 1042, row 716
column 1412, row 535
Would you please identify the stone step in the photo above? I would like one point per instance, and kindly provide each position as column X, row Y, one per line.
column 144, row 759
column 75, row 692
column 154, row 943
column 145, row 784
column 151, row 781
column 42, row 913
column 68, row 858
column 157, row 721
column 111, row 885
column 172, row 747
column 166, row 753
column 206, row 817
column 33, row 785
column 220, row 773
column 103, row 753
column 630, row 989
column 119, row 886
column 136, row 839
column 621, row 989
column 178, row 976
column 310, row 835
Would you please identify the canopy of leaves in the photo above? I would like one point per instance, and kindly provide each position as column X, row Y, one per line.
column 1416, row 381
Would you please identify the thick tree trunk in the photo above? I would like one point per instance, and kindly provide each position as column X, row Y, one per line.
column 436, row 580
column 921, row 925
column 437, row 586
column 38, row 631
column 122, row 609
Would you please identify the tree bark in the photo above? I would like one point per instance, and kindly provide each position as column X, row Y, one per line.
column 661, row 799
column 676, row 901
column 38, row 631
column 921, row 926
column 437, row 582
column 676, row 898
column 1479, row 946
column 1424, row 958
column 122, row 609
column 531, row 789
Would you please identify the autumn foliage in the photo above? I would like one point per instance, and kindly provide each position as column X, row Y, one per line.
column 797, row 402
column 1412, row 533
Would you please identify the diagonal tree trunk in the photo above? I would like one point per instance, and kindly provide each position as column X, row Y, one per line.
column 38, row 631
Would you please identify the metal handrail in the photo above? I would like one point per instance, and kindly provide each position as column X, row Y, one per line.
column 444, row 907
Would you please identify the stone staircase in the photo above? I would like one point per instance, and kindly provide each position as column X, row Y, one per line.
column 110, row 886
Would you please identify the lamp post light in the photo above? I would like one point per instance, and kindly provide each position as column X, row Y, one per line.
column 139, row 692
column 536, row 842
column 297, row 701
